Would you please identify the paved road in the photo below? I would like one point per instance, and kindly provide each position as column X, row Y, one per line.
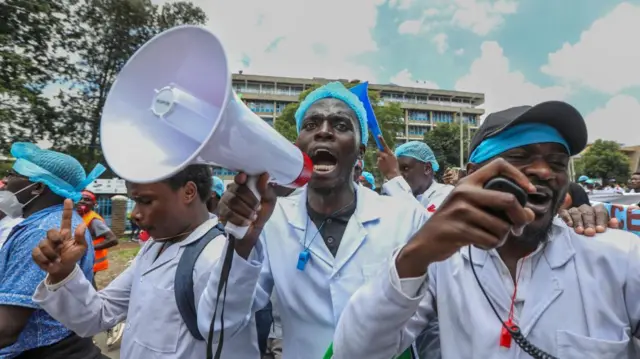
column 101, row 341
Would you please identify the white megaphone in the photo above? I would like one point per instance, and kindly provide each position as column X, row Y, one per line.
column 172, row 105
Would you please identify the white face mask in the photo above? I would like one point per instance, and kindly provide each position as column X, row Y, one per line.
column 10, row 205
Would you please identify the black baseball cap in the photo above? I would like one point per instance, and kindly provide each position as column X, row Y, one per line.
column 557, row 114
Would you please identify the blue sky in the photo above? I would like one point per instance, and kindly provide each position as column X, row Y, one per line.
column 515, row 51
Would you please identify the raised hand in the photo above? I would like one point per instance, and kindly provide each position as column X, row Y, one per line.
column 61, row 250
column 387, row 162
column 465, row 218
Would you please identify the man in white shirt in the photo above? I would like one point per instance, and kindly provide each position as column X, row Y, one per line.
column 146, row 294
column 546, row 289
column 413, row 174
column 317, row 248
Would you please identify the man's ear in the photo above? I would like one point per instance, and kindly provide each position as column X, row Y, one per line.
column 38, row 189
column 190, row 192
column 471, row 167
column 428, row 168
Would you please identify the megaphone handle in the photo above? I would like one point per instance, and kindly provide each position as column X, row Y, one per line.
column 237, row 231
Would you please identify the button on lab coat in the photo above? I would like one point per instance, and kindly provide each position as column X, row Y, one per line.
column 144, row 295
column 582, row 302
column 434, row 195
column 311, row 301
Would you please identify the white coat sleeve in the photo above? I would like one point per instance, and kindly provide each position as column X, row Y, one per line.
column 248, row 290
column 397, row 186
column 76, row 304
column 381, row 321
column 632, row 288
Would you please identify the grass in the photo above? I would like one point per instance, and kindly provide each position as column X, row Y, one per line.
column 124, row 255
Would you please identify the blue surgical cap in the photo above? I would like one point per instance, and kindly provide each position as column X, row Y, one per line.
column 583, row 179
column 369, row 178
column 420, row 151
column 218, row 186
column 62, row 173
column 338, row 91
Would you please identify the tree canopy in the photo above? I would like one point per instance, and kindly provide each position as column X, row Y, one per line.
column 78, row 46
column 30, row 57
column 604, row 160
column 444, row 140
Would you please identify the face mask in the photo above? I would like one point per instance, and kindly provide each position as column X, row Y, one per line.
column 10, row 205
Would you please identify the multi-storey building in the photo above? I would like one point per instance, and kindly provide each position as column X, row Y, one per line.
column 424, row 109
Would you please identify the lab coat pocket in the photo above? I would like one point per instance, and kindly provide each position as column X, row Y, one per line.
column 371, row 271
column 574, row 346
column 161, row 330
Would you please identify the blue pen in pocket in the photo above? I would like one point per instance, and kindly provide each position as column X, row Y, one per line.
column 362, row 91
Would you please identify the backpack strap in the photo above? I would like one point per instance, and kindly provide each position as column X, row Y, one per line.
column 183, row 284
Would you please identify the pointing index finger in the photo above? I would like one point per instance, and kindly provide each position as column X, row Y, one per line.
column 385, row 147
column 67, row 214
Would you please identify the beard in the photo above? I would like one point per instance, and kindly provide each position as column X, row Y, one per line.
column 538, row 231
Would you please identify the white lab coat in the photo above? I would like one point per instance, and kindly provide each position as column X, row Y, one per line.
column 311, row 301
column 434, row 195
column 144, row 295
column 581, row 302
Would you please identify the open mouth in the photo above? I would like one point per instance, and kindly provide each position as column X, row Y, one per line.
column 323, row 161
column 539, row 202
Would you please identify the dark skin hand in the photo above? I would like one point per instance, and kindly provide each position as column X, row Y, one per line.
column 62, row 249
column 587, row 220
column 462, row 220
column 12, row 321
column 241, row 207
column 387, row 162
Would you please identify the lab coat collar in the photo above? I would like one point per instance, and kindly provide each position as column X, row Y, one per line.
column 172, row 251
column 296, row 208
column 435, row 186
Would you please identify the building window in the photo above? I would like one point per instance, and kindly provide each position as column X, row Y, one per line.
column 442, row 117
column 280, row 106
column 267, row 89
column 417, row 130
column 419, row 116
column 252, row 88
column 223, row 172
column 268, row 120
column 260, row 106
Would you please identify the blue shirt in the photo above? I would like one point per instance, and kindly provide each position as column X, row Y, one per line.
column 19, row 277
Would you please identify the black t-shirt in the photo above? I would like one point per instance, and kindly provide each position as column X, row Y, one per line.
column 332, row 227
column 72, row 347
column 578, row 195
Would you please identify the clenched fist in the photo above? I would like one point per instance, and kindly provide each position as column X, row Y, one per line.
column 61, row 250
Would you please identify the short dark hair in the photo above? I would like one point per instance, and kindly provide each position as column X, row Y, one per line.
column 201, row 175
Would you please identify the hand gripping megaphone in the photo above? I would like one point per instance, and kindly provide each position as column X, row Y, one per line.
column 172, row 105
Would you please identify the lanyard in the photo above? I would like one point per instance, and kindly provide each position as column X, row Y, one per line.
column 505, row 336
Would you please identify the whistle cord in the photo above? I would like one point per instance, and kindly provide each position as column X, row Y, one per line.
column 514, row 330
column 223, row 284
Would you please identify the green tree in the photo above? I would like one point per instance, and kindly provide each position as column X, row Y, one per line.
column 389, row 117
column 102, row 35
column 30, row 40
column 444, row 140
column 603, row 159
